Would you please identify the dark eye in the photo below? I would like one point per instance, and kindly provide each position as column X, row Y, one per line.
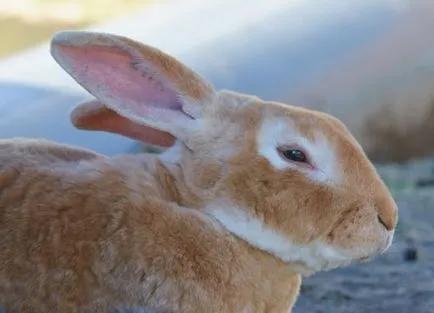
column 294, row 155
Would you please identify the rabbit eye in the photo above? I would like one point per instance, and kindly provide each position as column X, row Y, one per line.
column 294, row 155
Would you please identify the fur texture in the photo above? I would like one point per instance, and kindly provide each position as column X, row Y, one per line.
column 220, row 222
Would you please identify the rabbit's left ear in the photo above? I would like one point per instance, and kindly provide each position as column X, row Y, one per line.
column 140, row 83
column 96, row 116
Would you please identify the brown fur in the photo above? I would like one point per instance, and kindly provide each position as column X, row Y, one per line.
column 97, row 234
column 81, row 232
column 94, row 114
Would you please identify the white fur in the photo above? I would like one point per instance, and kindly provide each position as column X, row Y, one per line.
column 276, row 133
column 390, row 235
column 173, row 154
column 315, row 256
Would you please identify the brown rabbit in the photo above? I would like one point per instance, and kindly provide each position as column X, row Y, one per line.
column 249, row 196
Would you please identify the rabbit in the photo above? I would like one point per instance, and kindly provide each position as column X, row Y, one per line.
column 248, row 196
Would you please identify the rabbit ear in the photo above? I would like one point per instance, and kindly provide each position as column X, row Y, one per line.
column 94, row 115
column 139, row 82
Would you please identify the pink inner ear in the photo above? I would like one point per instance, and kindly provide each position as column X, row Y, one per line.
column 115, row 77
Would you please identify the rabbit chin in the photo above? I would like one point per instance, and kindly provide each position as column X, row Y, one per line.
column 304, row 259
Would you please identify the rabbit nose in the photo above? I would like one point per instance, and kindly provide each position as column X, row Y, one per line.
column 388, row 214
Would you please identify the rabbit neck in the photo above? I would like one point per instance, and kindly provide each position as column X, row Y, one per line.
column 172, row 181
column 247, row 278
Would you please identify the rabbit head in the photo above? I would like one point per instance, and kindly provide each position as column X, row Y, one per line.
column 290, row 181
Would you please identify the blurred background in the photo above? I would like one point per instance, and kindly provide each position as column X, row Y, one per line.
column 26, row 23
column 368, row 62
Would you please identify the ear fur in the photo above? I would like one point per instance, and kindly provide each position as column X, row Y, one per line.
column 138, row 82
column 96, row 116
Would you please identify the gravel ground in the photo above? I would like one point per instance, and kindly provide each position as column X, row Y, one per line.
column 399, row 281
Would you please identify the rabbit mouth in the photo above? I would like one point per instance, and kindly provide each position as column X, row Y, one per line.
column 388, row 242
column 382, row 249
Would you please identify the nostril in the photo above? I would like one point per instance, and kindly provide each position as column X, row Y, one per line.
column 382, row 222
column 387, row 212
